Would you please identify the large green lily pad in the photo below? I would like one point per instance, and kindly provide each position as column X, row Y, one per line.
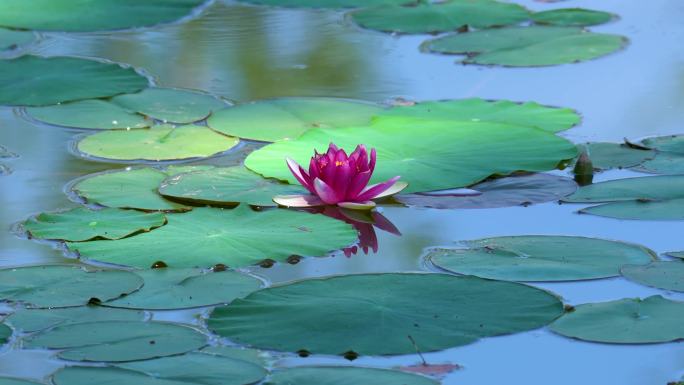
column 328, row 3
column 239, row 237
column 651, row 188
column 10, row 39
column 118, row 341
column 92, row 15
column 379, row 314
column 669, row 143
column 541, row 258
column 288, row 118
column 528, row 46
column 33, row 320
column 666, row 210
column 226, row 186
column 54, row 80
column 64, row 286
column 626, row 321
column 552, row 119
column 173, row 288
column 449, row 154
column 675, row 254
column 238, row 353
column 670, row 163
column 16, row 381
column 90, row 114
column 666, row 275
column 445, row 16
column 499, row 192
column 578, row 17
column 344, row 375
column 82, row 224
column 156, row 143
column 5, row 333
column 171, row 105
column 606, row 156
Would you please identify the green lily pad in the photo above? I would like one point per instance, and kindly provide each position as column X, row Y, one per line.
column 173, row 288
column 328, row 3
column 33, row 320
column 54, row 80
column 606, row 156
column 288, row 118
column 669, row 163
column 651, row 188
column 663, row 275
column 528, row 46
column 118, row 341
column 500, row 192
column 576, row 17
column 250, row 355
column 171, row 105
column 157, row 143
column 440, row 17
column 81, row 224
column 675, row 254
column 344, row 375
column 541, row 258
column 16, row 381
column 552, row 119
column 131, row 188
column 375, row 314
column 670, row 143
column 10, row 39
column 226, row 186
column 90, row 114
column 64, row 286
column 626, row 321
column 5, row 333
column 238, row 237
column 666, row 210
column 449, row 154
column 92, row 15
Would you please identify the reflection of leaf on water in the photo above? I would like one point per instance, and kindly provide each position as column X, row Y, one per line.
column 436, row 370
column 365, row 223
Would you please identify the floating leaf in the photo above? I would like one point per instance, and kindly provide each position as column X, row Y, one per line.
column 675, row 254
column 171, row 105
column 81, row 224
column 117, row 341
column 237, row 353
column 605, row 156
column 91, row 114
column 629, row 189
column 440, row 17
column 238, row 237
column 670, row 143
column 626, row 321
column 663, row 275
column 92, row 15
column 449, row 154
column 226, row 186
column 33, row 320
column 500, row 192
column 16, row 381
column 379, row 314
column 56, row 80
column 5, row 334
column 577, row 17
column 288, row 118
column 328, row 3
column 173, row 288
column 528, row 46
column 667, row 210
column 10, row 39
column 552, row 119
column 63, row 286
column 663, row 163
column 156, row 143
column 541, row 258
column 344, row 375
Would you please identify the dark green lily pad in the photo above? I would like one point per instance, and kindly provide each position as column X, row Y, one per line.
column 33, row 320
column 5, row 333
column 606, row 156
column 81, row 224
column 156, row 143
column 675, row 254
column 375, row 314
column 250, row 355
column 541, row 258
column 239, row 237
column 288, row 118
column 54, row 80
column 669, row 163
column 528, row 46
column 663, row 275
column 173, row 288
column 500, row 192
column 651, row 188
column 90, row 114
column 171, row 105
column 10, row 39
column 626, row 321
column 450, row 154
column 64, row 286
column 552, row 119
column 92, row 15
column 118, row 341
column 445, row 16
column 666, row 210
column 670, row 143
column 328, row 3
column 16, row 381
column 226, row 186
column 576, row 17
column 344, row 375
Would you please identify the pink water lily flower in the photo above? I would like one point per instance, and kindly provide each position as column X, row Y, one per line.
column 337, row 179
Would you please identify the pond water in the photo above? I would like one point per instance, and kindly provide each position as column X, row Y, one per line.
column 244, row 52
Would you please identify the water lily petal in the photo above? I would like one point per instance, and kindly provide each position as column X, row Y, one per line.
column 357, row 184
column 454, row 192
column 325, row 192
column 395, row 189
column 299, row 173
column 373, row 158
column 375, row 190
column 367, row 205
column 298, row 200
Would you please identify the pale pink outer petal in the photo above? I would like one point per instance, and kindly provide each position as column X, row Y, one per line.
column 458, row 192
column 298, row 200
column 325, row 192
column 299, row 174
column 396, row 188
column 368, row 205
column 375, row 190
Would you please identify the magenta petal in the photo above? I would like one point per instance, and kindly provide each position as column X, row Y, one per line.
column 325, row 192
column 341, row 180
column 299, row 174
column 371, row 192
column 373, row 158
column 357, row 184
